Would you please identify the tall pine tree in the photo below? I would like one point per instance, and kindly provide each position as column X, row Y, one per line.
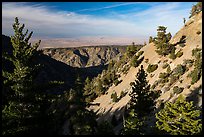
column 143, row 99
column 179, row 118
column 142, row 102
column 26, row 104
column 19, row 108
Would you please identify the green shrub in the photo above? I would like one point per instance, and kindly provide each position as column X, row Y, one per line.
column 140, row 53
column 165, row 80
column 179, row 54
column 114, row 97
column 122, row 94
column 177, row 90
column 188, row 62
column 165, row 65
column 172, row 56
column 168, row 70
column 197, row 52
column 116, row 82
column 153, row 86
column 173, row 79
column 162, row 83
column 163, row 75
column 195, row 75
column 197, row 72
column 125, row 69
column 179, row 70
column 182, row 45
column 151, row 68
column 198, row 64
column 134, row 61
column 165, row 61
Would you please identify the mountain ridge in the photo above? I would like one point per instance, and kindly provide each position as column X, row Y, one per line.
column 87, row 56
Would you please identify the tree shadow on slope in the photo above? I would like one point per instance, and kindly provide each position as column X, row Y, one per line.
column 114, row 117
column 196, row 96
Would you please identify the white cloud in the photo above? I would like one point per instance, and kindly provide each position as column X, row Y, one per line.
column 42, row 21
column 108, row 7
column 167, row 14
column 50, row 23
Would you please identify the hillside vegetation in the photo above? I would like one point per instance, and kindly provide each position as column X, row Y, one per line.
column 180, row 75
column 151, row 89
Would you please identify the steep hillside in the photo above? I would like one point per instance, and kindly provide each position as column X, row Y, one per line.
column 87, row 56
column 192, row 34
column 53, row 69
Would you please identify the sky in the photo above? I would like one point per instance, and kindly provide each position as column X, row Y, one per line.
column 56, row 20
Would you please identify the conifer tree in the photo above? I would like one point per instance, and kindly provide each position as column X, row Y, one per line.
column 20, row 107
column 26, row 103
column 142, row 97
column 162, row 41
column 179, row 118
column 88, row 90
column 142, row 102
column 133, row 125
column 83, row 121
column 150, row 39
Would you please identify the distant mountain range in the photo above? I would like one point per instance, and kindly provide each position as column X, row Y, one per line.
column 87, row 41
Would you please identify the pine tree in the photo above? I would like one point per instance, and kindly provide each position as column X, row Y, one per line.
column 162, row 41
column 20, row 109
column 88, row 90
column 133, row 125
column 142, row 102
column 142, row 98
column 26, row 104
column 131, row 50
column 179, row 118
column 99, row 87
column 82, row 121
column 150, row 39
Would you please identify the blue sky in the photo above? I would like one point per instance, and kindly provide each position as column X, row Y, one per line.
column 82, row 19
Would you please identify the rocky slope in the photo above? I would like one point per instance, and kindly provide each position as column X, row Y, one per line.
column 87, row 56
column 52, row 69
column 193, row 32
